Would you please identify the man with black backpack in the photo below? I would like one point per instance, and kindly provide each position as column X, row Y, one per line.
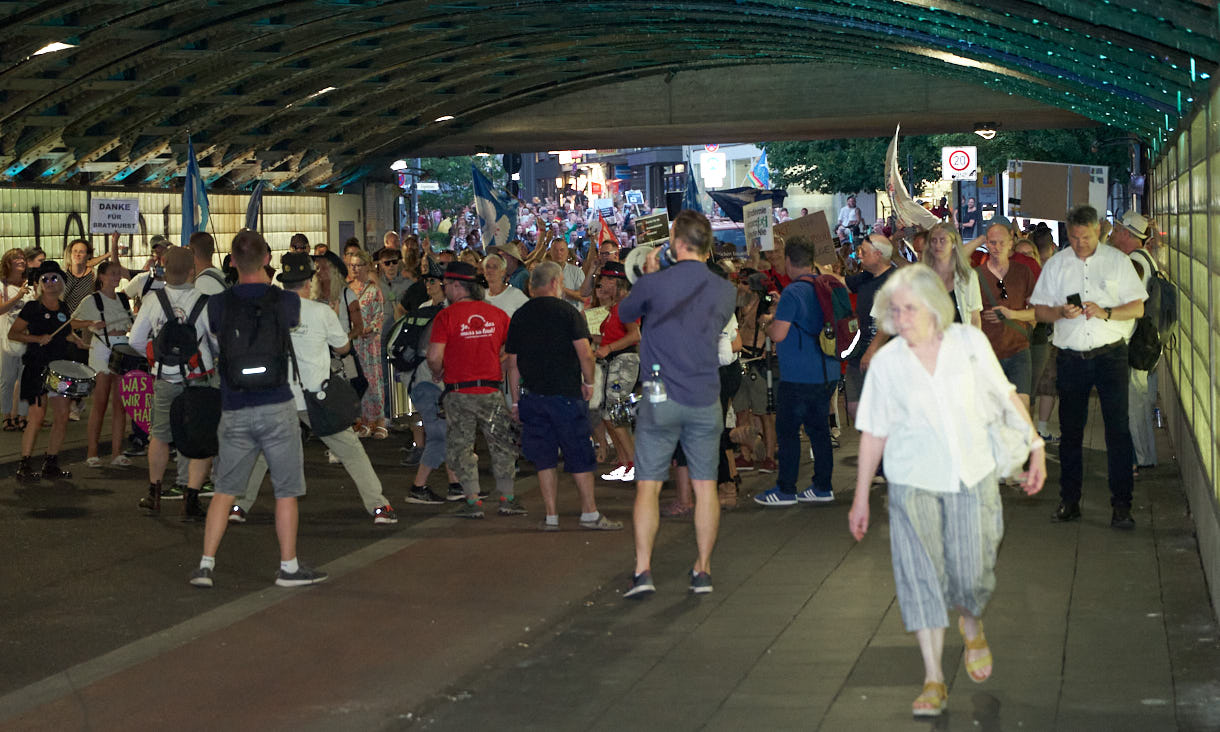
column 808, row 376
column 251, row 326
column 1129, row 237
column 171, row 327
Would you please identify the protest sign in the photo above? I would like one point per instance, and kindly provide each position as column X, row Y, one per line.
column 108, row 215
column 136, row 392
column 757, row 222
column 652, row 229
column 815, row 229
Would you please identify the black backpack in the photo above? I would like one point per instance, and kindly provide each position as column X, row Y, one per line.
column 1144, row 348
column 255, row 342
column 407, row 348
column 1162, row 302
column 177, row 344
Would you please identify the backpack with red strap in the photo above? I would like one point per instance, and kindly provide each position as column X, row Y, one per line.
column 841, row 328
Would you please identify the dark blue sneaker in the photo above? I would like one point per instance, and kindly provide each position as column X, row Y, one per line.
column 813, row 495
column 641, row 585
column 775, row 497
column 303, row 576
column 700, row 582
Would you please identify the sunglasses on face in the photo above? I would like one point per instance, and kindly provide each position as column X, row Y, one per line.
column 388, row 262
column 49, row 279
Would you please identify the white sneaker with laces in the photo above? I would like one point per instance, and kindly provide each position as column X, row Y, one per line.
column 617, row 473
column 628, row 475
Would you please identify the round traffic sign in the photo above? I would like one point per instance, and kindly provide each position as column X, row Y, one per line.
column 959, row 160
column 711, row 147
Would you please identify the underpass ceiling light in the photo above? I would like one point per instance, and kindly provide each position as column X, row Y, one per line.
column 443, row 118
column 53, row 47
column 985, row 130
column 398, row 165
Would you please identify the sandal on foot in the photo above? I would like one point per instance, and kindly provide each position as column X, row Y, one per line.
column 10, row 425
column 94, row 462
column 979, row 670
column 22, row 423
column 932, row 701
column 380, row 433
column 677, row 510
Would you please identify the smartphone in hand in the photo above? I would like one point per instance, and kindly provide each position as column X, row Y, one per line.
column 1074, row 299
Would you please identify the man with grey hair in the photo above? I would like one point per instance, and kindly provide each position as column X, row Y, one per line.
column 466, row 346
column 550, row 380
column 1130, row 237
column 573, row 276
column 499, row 292
column 391, row 240
column 1093, row 296
column 875, row 252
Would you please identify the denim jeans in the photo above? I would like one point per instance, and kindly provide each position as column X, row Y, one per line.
column 796, row 405
column 1077, row 377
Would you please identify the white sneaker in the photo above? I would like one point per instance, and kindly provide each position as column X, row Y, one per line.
column 618, row 473
column 628, row 475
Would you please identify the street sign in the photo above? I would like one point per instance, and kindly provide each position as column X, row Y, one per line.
column 428, row 185
column 959, row 163
column 712, row 147
column 713, row 168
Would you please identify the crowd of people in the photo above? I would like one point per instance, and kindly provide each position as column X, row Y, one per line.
column 700, row 362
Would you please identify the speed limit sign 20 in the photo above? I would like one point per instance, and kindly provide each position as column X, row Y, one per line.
column 959, row 163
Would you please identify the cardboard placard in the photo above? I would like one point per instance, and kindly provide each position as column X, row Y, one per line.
column 651, row 229
column 757, row 222
column 815, row 228
column 136, row 392
column 108, row 215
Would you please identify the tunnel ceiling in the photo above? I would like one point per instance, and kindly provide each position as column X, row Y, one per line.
column 311, row 95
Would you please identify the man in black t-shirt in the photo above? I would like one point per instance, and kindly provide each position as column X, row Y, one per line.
column 550, row 379
column 876, row 254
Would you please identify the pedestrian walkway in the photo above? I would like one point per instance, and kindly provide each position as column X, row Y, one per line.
column 445, row 624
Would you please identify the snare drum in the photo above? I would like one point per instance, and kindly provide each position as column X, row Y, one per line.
column 124, row 359
column 622, row 410
column 68, row 379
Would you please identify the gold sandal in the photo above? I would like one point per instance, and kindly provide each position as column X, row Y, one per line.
column 979, row 670
column 932, row 701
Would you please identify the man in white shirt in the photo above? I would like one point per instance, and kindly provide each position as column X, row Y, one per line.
column 208, row 279
column 849, row 220
column 1093, row 296
column 1129, row 237
column 573, row 276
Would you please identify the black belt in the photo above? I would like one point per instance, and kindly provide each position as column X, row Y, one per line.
column 472, row 384
column 1094, row 353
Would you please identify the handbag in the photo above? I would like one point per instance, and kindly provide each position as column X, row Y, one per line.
column 348, row 367
column 1009, row 435
column 332, row 408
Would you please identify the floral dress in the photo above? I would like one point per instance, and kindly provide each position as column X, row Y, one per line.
column 368, row 350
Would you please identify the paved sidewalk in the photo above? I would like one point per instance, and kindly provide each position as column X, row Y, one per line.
column 444, row 624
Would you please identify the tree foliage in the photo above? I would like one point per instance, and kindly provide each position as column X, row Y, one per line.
column 858, row 164
column 457, row 186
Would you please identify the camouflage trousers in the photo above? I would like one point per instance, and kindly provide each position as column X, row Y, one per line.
column 464, row 413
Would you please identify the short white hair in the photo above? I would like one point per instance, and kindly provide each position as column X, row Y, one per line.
column 921, row 281
column 495, row 261
column 882, row 244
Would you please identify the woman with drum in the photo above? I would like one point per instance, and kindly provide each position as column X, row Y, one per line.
column 44, row 326
column 12, row 297
column 107, row 315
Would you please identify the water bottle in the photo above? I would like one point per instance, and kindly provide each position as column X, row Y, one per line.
column 1156, row 415
column 656, row 387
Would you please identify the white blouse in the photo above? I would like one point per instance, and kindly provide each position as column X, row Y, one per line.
column 934, row 431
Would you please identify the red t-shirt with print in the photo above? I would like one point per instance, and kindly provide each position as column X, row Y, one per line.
column 473, row 332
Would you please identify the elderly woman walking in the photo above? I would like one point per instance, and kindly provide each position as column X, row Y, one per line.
column 922, row 407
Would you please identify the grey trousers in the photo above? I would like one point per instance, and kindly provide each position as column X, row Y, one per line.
column 944, row 548
column 1141, row 398
column 345, row 446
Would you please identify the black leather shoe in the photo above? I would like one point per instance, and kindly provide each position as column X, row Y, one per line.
column 1121, row 518
column 1066, row 512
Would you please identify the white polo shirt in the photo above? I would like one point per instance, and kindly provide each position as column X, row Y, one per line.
column 935, row 436
column 1106, row 278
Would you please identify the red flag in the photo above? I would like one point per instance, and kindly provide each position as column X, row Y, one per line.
column 606, row 232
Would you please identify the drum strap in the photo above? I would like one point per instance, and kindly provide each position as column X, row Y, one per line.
column 101, row 313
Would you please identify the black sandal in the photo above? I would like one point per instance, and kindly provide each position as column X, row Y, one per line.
column 22, row 423
column 10, row 425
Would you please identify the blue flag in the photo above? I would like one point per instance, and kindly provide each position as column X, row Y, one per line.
column 254, row 206
column 690, row 199
column 759, row 175
column 497, row 211
column 194, row 197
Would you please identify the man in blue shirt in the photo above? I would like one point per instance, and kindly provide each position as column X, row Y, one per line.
column 807, row 379
column 684, row 308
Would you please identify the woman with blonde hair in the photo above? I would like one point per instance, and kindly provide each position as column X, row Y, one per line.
column 925, row 407
column 12, row 297
column 367, row 344
column 944, row 254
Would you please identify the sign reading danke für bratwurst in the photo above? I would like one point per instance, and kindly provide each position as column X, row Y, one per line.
column 107, row 215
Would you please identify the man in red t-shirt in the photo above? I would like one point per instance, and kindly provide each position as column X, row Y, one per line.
column 465, row 351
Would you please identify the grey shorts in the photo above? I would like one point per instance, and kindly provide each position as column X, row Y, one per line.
column 621, row 371
column 853, row 381
column 751, row 396
column 272, row 429
column 659, row 428
column 164, row 393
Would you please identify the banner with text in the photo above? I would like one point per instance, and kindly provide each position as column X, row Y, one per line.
column 758, row 221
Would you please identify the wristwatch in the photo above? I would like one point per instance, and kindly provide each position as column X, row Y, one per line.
column 1108, row 311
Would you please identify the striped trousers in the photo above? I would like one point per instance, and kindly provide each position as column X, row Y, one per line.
column 944, row 548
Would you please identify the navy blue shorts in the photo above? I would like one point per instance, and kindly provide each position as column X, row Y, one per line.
column 550, row 424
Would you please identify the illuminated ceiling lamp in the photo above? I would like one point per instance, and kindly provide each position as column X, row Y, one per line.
column 985, row 130
column 53, row 47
